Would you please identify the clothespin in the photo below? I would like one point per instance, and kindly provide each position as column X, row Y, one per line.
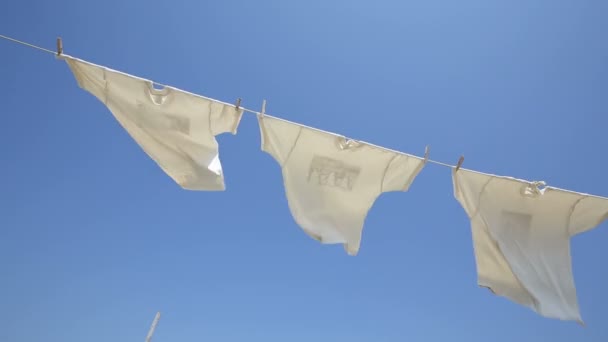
column 238, row 103
column 460, row 160
column 263, row 108
column 59, row 46
column 426, row 154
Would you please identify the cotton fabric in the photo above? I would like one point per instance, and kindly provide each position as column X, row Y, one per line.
column 332, row 182
column 521, row 235
column 175, row 128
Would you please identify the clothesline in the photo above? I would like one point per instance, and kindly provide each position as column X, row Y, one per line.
column 60, row 51
column 27, row 44
column 521, row 233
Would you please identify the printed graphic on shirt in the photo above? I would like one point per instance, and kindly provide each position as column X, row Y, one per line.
column 163, row 121
column 329, row 172
column 178, row 123
column 516, row 224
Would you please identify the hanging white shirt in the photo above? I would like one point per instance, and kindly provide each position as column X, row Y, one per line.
column 175, row 128
column 331, row 182
column 521, row 236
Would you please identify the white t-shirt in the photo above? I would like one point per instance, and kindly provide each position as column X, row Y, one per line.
column 175, row 128
column 521, row 235
column 331, row 182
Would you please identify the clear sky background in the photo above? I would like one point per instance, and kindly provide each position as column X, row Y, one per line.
column 95, row 238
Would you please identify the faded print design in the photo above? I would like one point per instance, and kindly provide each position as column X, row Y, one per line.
column 333, row 173
column 515, row 225
column 146, row 117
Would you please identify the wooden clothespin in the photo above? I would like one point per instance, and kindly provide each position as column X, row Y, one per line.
column 238, row 103
column 426, row 154
column 263, row 108
column 460, row 160
column 59, row 46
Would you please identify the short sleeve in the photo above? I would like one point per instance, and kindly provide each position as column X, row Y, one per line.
column 401, row 172
column 278, row 137
column 224, row 118
column 90, row 77
column 587, row 213
column 468, row 187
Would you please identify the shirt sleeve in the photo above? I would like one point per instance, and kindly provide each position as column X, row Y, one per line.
column 89, row 77
column 279, row 137
column 401, row 172
column 468, row 187
column 224, row 118
column 587, row 213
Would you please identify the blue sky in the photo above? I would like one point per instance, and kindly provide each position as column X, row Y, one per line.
column 95, row 238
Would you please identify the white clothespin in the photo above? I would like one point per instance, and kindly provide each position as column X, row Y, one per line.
column 59, row 46
column 460, row 160
column 426, row 154
column 263, row 108
column 238, row 103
